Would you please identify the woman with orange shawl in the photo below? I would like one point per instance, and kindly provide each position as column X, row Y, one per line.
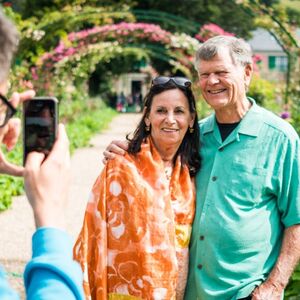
column 137, row 225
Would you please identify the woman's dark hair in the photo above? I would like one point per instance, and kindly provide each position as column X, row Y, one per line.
column 189, row 150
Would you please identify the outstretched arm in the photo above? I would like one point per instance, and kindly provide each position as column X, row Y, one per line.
column 52, row 273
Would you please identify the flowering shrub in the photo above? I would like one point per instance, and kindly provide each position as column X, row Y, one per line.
column 208, row 31
column 264, row 92
column 78, row 54
column 151, row 32
column 121, row 33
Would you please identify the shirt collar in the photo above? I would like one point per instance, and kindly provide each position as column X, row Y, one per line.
column 252, row 122
column 249, row 125
column 208, row 123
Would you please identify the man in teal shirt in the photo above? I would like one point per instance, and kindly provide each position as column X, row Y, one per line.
column 246, row 234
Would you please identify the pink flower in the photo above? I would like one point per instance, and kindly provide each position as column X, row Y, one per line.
column 34, row 73
column 208, row 31
column 60, row 48
column 27, row 84
column 257, row 58
column 285, row 115
column 70, row 51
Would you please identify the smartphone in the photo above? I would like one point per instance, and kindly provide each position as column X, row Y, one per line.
column 40, row 119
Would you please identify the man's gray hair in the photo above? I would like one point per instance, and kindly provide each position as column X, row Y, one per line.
column 239, row 50
column 9, row 39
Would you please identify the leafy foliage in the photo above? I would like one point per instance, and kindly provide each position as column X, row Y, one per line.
column 204, row 12
column 293, row 289
column 77, row 56
column 276, row 19
column 264, row 92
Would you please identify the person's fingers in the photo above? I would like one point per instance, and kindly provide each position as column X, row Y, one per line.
column 26, row 95
column 122, row 144
column 108, row 155
column 3, row 132
column 18, row 98
column 11, row 137
column 15, row 99
column 60, row 150
column 116, row 149
column 105, row 160
column 34, row 160
column 11, row 169
column 62, row 141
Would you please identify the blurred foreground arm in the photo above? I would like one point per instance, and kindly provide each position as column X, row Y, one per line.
column 52, row 273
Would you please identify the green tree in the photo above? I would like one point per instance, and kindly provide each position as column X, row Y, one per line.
column 39, row 8
column 199, row 11
column 204, row 11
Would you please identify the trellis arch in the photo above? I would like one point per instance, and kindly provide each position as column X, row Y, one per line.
column 79, row 53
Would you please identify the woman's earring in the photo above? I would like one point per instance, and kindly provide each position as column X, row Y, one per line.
column 147, row 128
column 191, row 129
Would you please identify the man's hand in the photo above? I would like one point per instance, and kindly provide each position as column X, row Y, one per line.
column 286, row 262
column 47, row 182
column 267, row 291
column 115, row 147
column 9, row 135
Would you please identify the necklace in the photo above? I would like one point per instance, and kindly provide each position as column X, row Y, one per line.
column 168, row 172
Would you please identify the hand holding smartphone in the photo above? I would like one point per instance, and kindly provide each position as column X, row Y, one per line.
column 40, row 119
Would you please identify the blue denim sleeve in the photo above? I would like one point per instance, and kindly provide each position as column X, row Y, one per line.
column 52, row 273
column 6, row 293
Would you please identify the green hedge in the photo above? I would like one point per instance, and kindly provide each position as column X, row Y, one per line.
column 83, row 118
column 293, row 289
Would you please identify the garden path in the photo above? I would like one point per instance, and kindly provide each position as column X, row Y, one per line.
column 17, row 225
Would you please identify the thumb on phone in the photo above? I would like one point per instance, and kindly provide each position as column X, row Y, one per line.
column 47, row 182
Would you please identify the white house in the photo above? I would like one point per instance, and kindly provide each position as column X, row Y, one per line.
column 274, row 60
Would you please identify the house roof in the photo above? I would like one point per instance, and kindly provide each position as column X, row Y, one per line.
column 262, row 40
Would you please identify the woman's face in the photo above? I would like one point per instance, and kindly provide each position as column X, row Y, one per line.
column 169, row 118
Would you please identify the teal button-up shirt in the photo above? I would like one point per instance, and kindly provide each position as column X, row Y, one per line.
column 248, row 191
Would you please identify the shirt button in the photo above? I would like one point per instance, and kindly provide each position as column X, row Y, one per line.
column 199, row 266
column 214, row 178
column 201, row 237
column 221, row 149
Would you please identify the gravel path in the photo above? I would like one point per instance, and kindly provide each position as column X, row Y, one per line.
column 17, row 224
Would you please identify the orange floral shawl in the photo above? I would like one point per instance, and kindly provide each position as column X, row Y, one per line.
column 136, row 230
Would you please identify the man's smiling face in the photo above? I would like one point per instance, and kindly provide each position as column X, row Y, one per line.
column 222, row 82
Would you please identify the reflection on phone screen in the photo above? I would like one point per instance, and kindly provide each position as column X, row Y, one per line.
column 39, row 126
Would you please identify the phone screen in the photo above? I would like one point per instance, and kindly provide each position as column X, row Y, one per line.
column 40, row 125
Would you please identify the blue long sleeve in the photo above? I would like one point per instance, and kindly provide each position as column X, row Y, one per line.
column 6, row 293
column 52, row 273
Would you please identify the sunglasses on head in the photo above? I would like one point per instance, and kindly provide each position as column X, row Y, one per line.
column 6, row 110
column 179, row 81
